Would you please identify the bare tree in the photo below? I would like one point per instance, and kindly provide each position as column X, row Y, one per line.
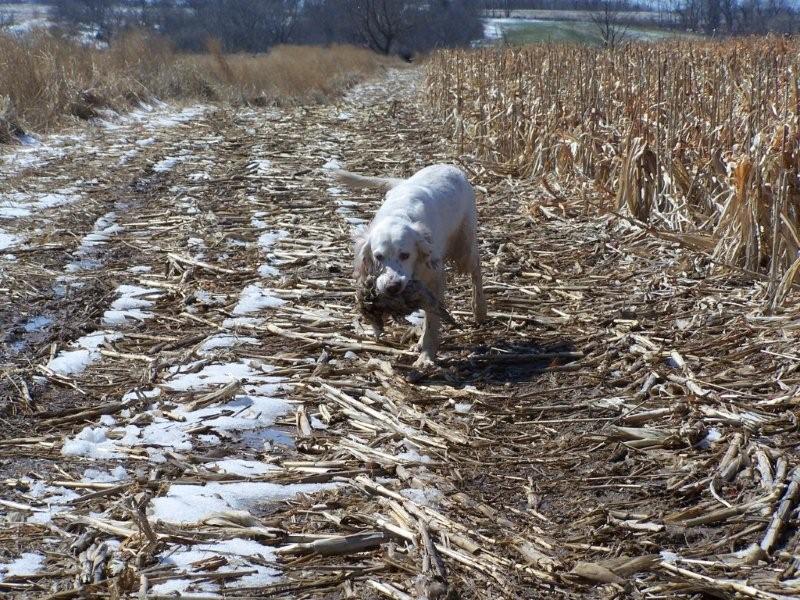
column 381, row 23
column 608, row 24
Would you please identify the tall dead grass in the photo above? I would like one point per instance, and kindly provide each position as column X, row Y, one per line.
column 697, row 138
column 46, row 79
column 287, row 74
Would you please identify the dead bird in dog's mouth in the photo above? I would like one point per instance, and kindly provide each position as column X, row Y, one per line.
column 376, row 307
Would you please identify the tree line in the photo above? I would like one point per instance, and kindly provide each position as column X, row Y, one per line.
column 388, row 26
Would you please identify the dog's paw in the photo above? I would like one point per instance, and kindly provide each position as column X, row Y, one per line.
column 425, row 362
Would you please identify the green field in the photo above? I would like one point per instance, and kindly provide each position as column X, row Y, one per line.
column 526, row 31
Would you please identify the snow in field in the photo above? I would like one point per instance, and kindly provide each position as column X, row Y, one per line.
column 186, row 504
column 260, row 166
column 265, row 242
column 29, row 563
column 35, row 324
column 156, row 116
column 104, row 227
column 130, row 305
column 91, row 442
column 332, row 164
column 425, row 497
column 182, row 379
column 8, row 240
column 248, row 412
column 244, row 468
column 87, row 351
column 493, row 29
column 239, row 554
column 255, row 298
column 118, row 473
column 168, row 163
column 224, row 340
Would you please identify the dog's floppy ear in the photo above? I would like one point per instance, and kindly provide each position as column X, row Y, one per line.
column 425, row 248
column 363, row 264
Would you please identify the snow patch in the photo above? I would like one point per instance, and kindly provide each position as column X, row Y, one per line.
column 255, row 298
column 91, row 442
column 130, row 305
column 169, row 163
column 29, row 563
column 187, row 504
column 260, row 166
column 73, row 362
column 224, row 340
column 213, row 375
column 9, row 240
column 239, row 554
column 36, row 324
column 118, row 473
column 237, row 466
column 426, row 497
column 712, row 435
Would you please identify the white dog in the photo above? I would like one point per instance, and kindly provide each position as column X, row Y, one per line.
column 425, row 221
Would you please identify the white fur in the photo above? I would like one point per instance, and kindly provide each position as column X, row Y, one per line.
column 425, row 220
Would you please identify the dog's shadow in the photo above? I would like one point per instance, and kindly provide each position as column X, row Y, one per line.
column 505, row 361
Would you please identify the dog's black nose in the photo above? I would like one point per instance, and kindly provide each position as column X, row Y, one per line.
column 394, row 288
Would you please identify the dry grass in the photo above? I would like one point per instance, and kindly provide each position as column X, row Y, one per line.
column 699, row 139
column 287, row 74
column 45, row 79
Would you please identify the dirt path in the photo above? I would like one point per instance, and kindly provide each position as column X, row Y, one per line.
column 193, row 407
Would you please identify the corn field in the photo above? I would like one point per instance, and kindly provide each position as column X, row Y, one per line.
column 698, row 139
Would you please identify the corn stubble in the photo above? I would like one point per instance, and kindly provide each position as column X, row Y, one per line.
column 698, row 139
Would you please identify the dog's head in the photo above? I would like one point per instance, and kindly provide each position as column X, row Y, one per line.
column 395, row 252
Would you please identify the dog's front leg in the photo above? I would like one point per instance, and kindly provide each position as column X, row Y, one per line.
column 429, row 341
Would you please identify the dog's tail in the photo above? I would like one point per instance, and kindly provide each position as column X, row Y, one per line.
column 356, row 181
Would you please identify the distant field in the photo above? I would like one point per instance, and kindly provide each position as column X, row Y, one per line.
column 24, row 16
column 530, row 31
column 580, row 15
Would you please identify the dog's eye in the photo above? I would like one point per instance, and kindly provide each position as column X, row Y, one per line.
column 404, row 255
column 379, row 257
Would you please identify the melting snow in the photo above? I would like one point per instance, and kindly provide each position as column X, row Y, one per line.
column 268, row 239
column 213, row 375
column 54, row 200
column 712, row 435
column 140, row 269
column 130, row 305
column 72, row 362
column 267, row 271
column 92, row 443
column 36, row 324
column 254, row 298
column 332, row 164
column 169, row 163
column 261, row 166
column 237, row 552
column 224, row 340
column 8, row 240
column 104, row 227
column 96, row 476
column 426, row 497
column 29, row 563
column 186, row 504
column 237, row 466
